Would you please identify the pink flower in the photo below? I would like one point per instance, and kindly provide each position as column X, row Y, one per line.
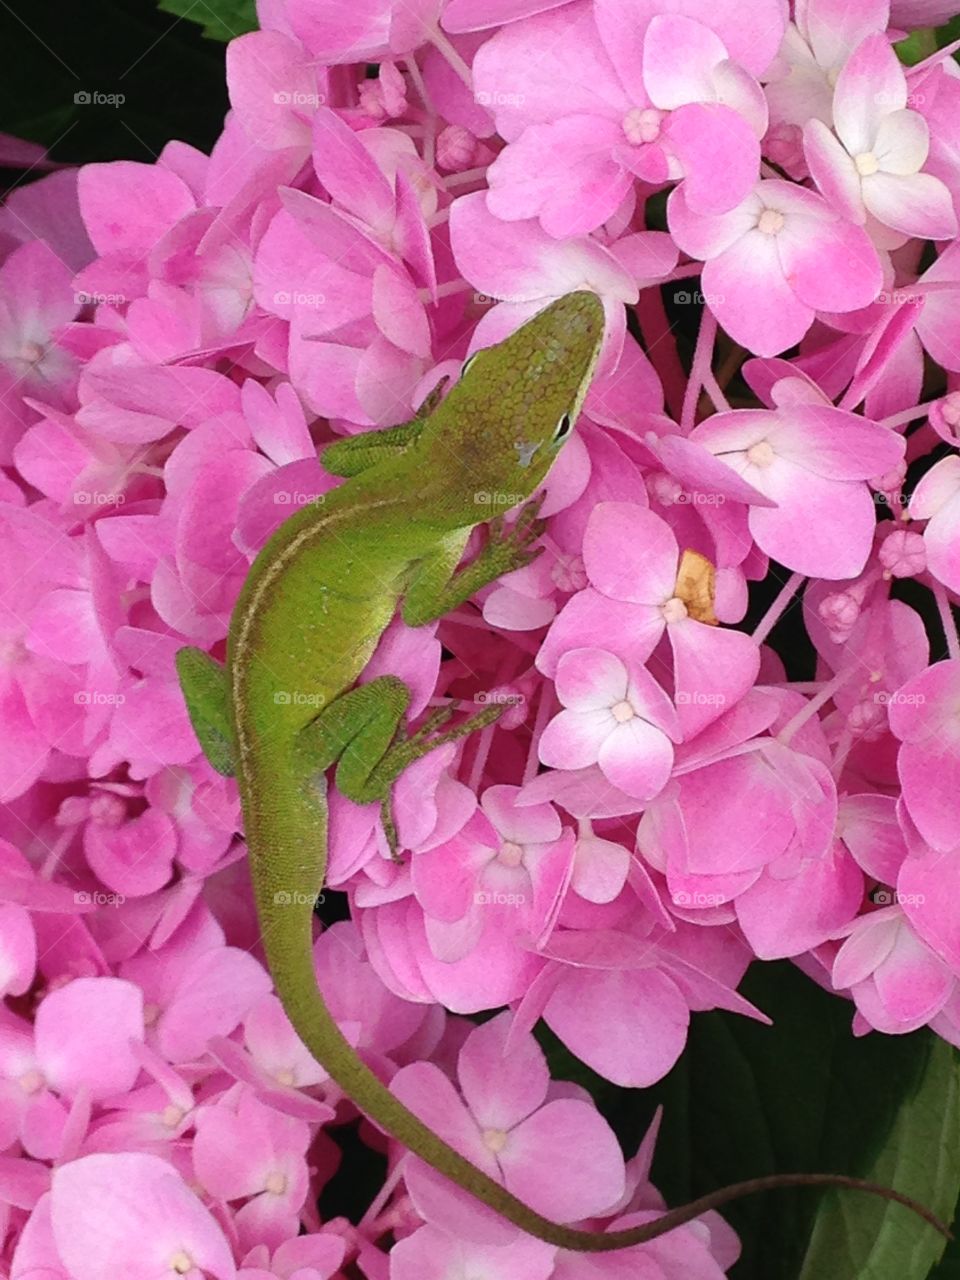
column 616, row 716
column 775, row 260
column 872, row 167
column 38, row 304
column 250, row 1152
column 578, row 156
column 505, row 1120
column 808, row 458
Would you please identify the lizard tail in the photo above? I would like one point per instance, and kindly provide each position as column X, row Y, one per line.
column 287, row 840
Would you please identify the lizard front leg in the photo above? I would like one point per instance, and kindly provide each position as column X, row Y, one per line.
column 439, row 586
column 363, row 731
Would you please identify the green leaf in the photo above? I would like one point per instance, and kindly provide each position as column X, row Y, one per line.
column 220, row 19
column 859, row 1235
column 802, row 1096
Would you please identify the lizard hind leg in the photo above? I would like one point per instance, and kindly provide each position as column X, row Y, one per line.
column 364, row 732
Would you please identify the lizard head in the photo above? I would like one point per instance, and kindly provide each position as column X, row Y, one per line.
column 503, row 424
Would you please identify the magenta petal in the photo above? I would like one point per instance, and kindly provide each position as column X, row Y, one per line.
column 630, row 553
column 719, row 154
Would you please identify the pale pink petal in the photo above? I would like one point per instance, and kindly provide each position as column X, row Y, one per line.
column 830, row 264
column 590, row 680
column 918, row 204
column 833, row 170
column 871, row 84
column 129, row 206
column 903, row 140
column 573, row 739
column 83, row 1036
column 819, row 527
column 434, row 1254
column 749, row 295
column 637, row 757
column 133, row 1214
column 18, row 950
column 704, row 235
column 679, row 54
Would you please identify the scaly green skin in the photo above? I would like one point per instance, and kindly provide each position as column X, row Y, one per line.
column 317, row 599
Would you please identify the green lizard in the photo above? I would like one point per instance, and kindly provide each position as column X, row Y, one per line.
column 317, row 599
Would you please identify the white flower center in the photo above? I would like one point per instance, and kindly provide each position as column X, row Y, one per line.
column 642, row 125
column 622, row 711
column 866, row 163
column 31, row 1081
column 761, row 454
column 674, row 610
column 181, row 1263
column 770, row 222
column 31, row 352
column 276, row 1184
column 286, row 1076
column 172, row 1115
column 495, row 1140
column 511, row 854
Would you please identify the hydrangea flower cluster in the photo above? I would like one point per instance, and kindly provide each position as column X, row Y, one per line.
column 660, row 803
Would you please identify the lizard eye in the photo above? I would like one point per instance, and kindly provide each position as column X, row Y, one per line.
column 564, row 427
